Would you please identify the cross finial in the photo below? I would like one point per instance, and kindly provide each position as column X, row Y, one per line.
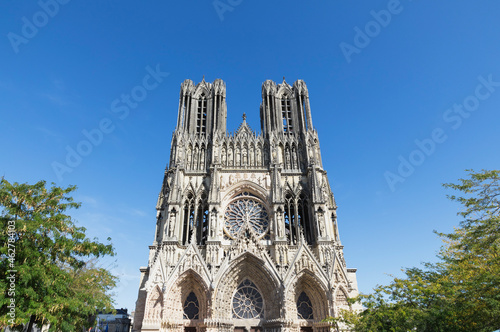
column 283, row 78
column 244, row 116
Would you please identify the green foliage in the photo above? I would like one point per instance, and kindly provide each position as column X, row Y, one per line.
column 56, row 277
column 459, row 293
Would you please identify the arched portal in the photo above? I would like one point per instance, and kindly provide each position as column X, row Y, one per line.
column 187, row 300
column 306, row 298
column 247, row 290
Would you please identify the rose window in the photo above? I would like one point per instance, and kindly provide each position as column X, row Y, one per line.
column 246, row 209
column 247, row 301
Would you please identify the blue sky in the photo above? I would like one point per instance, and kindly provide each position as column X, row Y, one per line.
column 404, row 95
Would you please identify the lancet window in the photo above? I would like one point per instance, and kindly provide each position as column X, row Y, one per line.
column 290, row 220
column 195, row 218
column 202, row 221
column 304, row 219
column 286, row 112
column 184, row 114
column 188, row 220
column 201, row 118
column 297, row 219
column 301, row 104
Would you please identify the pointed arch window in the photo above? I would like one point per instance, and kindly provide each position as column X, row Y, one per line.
column 291, row 226
column 286, row 112
column 202, row 220
column 247, row 301
column 185, row 114
column 301, row 103
column 188, row 220
column 304, row 220
column 304, row 307
column 297, row 219
column 191, row 307
column 201, row 117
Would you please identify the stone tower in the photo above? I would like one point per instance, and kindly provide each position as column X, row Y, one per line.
column 246, row 232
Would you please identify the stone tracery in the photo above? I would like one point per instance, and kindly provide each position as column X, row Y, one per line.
column 191, row 307
column 247, row 301
column 246, row 209
column 304, row 307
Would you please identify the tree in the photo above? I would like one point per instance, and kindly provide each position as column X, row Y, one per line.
column 48, row 265
column 461, row 292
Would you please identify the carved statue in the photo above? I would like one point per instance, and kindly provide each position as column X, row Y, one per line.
column 280, row 223
column 230, row 157
column 180, row 153
column 202, row 159
column 171, row 224
column 223, row 157
column 195, row 158
column 216, row 151
column 213, row 222
column 237, row 157
column 251, row 157
column 321, row 223
column 294, row 158
column 244, row 161
column 324, row 191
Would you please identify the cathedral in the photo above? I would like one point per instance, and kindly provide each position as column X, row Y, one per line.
column 246, row 233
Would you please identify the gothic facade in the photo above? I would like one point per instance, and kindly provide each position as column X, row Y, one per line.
column 246, row 232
